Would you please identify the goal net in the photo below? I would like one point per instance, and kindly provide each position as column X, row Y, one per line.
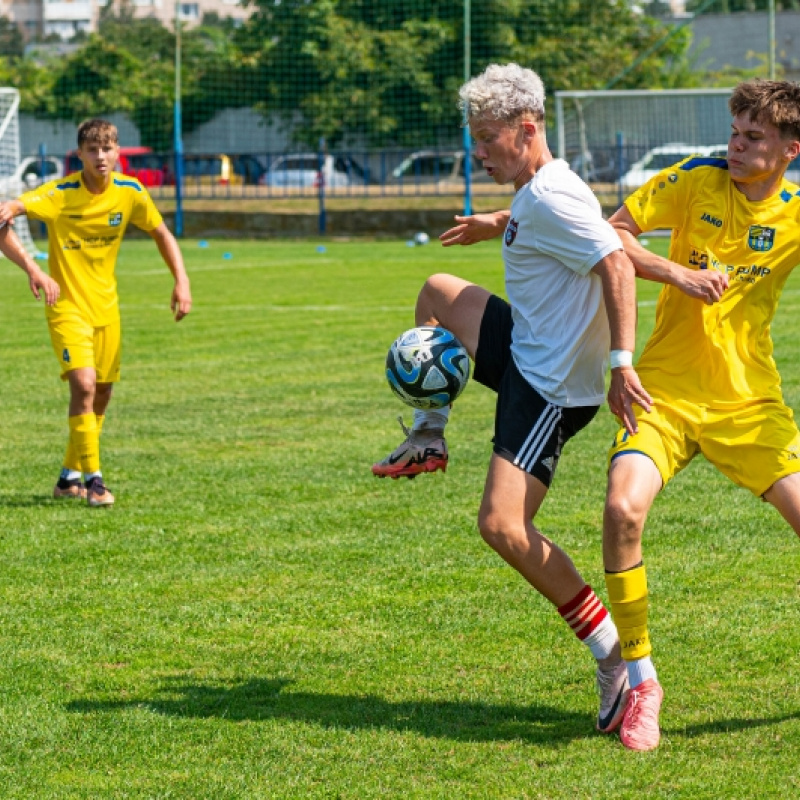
column 602, row 133
column 10, row 185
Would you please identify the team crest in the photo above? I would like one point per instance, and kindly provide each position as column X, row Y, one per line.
column 511, row 232
column 761, row 238
column 115, row 219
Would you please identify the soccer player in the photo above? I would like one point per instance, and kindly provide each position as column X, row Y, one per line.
column 87, row 214
column 708, row 366
column 571, row 295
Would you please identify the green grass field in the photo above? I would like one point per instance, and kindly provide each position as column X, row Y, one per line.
column 259, row 617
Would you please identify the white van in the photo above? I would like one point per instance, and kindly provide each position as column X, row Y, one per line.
column 653, row 161
column 302, row 170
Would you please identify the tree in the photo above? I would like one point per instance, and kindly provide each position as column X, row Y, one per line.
column 390, row 71
column 12, row 44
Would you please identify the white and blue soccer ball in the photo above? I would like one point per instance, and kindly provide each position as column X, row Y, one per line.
column 427, row 367
column 421, row 238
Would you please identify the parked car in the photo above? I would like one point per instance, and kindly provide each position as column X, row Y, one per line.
column 602, row 169
column 302, row 170
column 665, row 156
column 139, row 162
column 31, row 172
column 249, row 167
column 438, row 166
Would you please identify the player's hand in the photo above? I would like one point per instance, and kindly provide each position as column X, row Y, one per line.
column 475, row 228
column 43, row 285
column 625, row 390
column 707, row 285
column 181, row 303
column 6, row 214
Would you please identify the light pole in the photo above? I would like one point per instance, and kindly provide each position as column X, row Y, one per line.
column 177, row 140
column 467, row 141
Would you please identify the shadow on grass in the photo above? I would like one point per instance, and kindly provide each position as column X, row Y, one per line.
column 30, row 500
column 730, row 724
column 263, row 699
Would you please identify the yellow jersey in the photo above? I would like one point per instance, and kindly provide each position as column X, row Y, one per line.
column 85, row 232
column 719, row 355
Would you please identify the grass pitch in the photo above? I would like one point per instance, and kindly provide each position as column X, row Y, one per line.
column 259, row 617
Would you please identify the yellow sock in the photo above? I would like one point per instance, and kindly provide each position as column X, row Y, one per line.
column 72, row 459
column 627, row 592
column 84, row 437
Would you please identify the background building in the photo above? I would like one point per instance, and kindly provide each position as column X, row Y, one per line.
column 65, row 18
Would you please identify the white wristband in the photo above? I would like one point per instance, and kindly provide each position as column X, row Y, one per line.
column 620, row 358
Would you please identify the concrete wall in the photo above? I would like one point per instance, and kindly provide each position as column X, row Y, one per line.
column 737, row 40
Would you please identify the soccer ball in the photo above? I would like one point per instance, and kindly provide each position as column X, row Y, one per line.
column 427, row 367
column 421, row 238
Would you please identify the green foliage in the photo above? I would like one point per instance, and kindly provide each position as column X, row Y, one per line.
column 11, row 42
column 379, row 73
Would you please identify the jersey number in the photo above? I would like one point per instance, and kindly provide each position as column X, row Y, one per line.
column 65, row 356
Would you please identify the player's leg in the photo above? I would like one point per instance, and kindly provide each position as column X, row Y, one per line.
column 784, row 494
column 529, row 435
column 457, row 305
column 107, row 352
column 73, row 346
column 633, row 483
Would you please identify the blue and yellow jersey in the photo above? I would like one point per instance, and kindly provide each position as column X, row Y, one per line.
column 719, row 355
column 85, row 233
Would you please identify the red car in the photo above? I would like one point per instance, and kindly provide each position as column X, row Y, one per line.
column 140, row 162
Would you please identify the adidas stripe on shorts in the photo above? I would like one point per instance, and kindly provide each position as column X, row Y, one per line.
column 529, row 431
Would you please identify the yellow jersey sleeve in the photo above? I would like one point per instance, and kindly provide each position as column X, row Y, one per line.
column 45, row 202
column 144, row 214
column 661, row 202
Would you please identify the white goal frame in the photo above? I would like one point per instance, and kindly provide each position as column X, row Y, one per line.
column 637, row 120
column 10, row 158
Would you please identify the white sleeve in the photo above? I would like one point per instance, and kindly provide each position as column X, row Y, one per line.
column 567, row 229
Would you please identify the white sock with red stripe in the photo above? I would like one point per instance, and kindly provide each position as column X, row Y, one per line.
column 591, row 622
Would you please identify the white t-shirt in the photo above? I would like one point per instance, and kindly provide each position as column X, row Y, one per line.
column 555, row 236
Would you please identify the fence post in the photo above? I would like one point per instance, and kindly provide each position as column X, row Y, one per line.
column 321, row 162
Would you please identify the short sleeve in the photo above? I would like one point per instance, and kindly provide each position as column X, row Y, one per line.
column 662, row 201
column 43, row 203
column 145, row 215
column 572, row 232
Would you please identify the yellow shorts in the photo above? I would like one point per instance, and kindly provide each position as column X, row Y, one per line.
column 78, row 344
column 753, row 445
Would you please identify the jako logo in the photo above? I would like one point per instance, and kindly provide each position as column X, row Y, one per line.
column 717, row 223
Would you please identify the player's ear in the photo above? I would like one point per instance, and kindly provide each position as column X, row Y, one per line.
column 792, row 150
column 529, row 129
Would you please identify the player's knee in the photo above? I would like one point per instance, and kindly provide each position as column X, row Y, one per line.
column 494, row 529
column 431, row 298
column 623, row 519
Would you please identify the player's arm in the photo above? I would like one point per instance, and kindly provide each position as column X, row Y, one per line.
column 619, row 291
column 476, row 228
column 40, row 282
column 706, row 285
column 10, row 209
column 181, row 302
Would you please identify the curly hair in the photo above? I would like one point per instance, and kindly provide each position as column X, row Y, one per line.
column 97, row 130
column 503, row 91
column 773, row 102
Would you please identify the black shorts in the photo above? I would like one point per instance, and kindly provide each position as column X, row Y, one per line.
column 529, row 431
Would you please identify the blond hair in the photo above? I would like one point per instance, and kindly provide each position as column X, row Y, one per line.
column 505, row 92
